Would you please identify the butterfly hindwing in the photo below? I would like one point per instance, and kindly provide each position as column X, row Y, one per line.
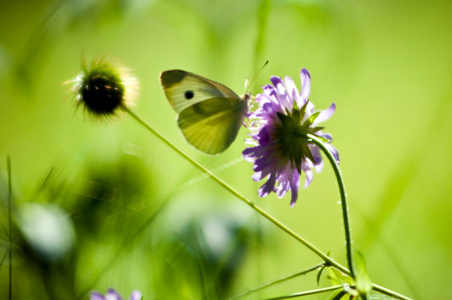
column 213, row 124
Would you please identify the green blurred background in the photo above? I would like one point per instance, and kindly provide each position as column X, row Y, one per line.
column 138, row 216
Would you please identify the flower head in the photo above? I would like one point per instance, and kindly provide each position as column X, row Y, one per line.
column 281, row 149
column 103, row 89
column 113, row 295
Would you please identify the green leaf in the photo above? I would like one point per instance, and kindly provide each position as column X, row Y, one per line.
column 307, row 152
column 317, row 128
column 296, row 162
column 363, row 282
column 340, row 294
column 303, row 108
column 285, row 119
column 296, row 116
column 340, row 278
column 320, row 274
column 311, row 119
column 295, row 104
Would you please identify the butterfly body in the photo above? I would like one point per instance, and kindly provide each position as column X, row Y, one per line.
column 210, row 114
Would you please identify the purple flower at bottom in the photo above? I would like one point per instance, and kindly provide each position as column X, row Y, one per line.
column 113, row 295
column 281, row 150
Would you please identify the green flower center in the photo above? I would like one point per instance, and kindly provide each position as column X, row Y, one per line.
column 292, row 136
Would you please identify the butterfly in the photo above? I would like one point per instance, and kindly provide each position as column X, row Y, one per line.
column 209, row 113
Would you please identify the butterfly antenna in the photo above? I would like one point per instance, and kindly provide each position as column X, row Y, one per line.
column 254, row 78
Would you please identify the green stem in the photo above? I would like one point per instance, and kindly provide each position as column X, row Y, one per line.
column 304, row 272
column 345, row 213
column 388, row 292
column 311, row 247
column 307, row 293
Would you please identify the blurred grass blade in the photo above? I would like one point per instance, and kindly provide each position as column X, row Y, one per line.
column 10, row 192
column 262, row 18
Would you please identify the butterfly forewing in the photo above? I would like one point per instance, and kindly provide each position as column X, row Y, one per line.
column 184, row 89
column 212, row 125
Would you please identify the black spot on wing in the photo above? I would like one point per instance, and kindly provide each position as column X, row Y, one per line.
column 189, row 95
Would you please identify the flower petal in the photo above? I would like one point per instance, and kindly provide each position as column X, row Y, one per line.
column 294, row 196
column 318, row 162
column 276, row 81
column 249, row 153
column 309, row 177
column 334, row 152
column 95, row 295
column 325, row 135
column 284, row 100
column 265, row 189
column 112, row 295
column 305, row 83
column 257, row 176
column 294, row 186
column 260, row 164
column 292, row 90
column 136, row 295
column 325, row 115
column 283, row 184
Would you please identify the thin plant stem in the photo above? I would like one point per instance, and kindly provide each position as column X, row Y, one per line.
column 346, row 218
column 343, row 194
column 285, row 278
column 307, row 293
column 10, row 191
column 266, row 215
column 328, row 261
column 388, row 292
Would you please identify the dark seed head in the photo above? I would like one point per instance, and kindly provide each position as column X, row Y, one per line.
column 101, row 89
column 102, row 95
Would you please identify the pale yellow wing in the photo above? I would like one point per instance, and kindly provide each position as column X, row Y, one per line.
column 184, row 89
column 213, row 124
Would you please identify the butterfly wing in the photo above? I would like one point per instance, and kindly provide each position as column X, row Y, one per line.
column 213, row 124
column 184, row 89
column 210, row 114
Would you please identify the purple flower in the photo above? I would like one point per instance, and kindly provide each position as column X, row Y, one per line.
column 281, row 150
column 113, row 295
